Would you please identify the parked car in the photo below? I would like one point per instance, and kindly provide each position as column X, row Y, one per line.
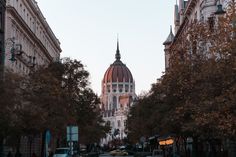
column 62, row 152
column 118, row 152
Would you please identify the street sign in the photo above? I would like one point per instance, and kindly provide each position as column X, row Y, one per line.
column 47, row 141
column 47, row 136
column 72, row 133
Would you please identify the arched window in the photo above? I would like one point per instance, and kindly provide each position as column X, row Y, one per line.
column 118, row 123
column 109, row 123
column 114, row 102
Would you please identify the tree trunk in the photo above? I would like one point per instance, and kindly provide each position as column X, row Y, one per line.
column 18, row 139
column 195, row 147
column 43, row 145
column 185, row 147
column 1, row 146
column 30, row 139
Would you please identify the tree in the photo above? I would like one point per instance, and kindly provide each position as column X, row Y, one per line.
column 147, row 117
column 61, row 95
column 44, row 106
column 202, row 71
column 84, row 103
column 196, row 95
column 11, row 99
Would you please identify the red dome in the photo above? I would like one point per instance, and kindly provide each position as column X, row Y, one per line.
column 118, row 72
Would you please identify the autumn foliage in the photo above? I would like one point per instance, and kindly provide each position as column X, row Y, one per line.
column 196, row 95
column 50, row 98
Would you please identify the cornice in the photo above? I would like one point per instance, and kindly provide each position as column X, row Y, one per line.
column 180, row 30
column 49, row 31
column 190, row 6
column 29, row 31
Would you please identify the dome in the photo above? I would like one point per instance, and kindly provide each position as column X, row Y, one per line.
column 118, row 72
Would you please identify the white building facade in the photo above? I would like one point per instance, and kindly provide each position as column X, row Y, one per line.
column 118, row 94
column 187, row 11
column 29, row 41
column 28, row 44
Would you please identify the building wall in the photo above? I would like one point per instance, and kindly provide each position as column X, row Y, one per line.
column 2, row 31
column 200, row 10
column 28, row 32
column 26, row 24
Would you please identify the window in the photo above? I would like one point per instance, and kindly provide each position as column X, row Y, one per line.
column 211, row 23
column 120, row 88
column 114, row 102
column 118, row 123
column 1, row 22
column 195, row 16
column 126, row 88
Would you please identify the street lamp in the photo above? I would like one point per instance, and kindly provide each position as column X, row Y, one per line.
column 15, row 49
column 219, row 10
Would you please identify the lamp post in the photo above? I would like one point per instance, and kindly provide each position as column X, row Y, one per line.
column 10, row 42
column 15, row 48
column 18, row 54
column 220, row 10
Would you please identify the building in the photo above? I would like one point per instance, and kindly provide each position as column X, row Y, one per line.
column 26, row 43
column 187, row 11
column 29, row 41
column 2, row 31
column 118, row 94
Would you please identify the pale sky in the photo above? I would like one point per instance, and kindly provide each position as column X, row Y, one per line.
column 87, row 30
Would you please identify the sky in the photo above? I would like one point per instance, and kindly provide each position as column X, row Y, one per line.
column 87, row 30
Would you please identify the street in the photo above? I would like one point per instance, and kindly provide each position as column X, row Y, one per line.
column 108, row 155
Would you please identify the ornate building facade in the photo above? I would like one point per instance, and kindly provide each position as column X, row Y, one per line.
column 29, row 40
column 118, row 94
column 26, row 43
column 187, row 11
column 2, row 38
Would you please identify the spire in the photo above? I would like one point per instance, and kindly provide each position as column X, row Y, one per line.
column 170, row 38
column 181, row 5
column 176, row 14
column 117, row 50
